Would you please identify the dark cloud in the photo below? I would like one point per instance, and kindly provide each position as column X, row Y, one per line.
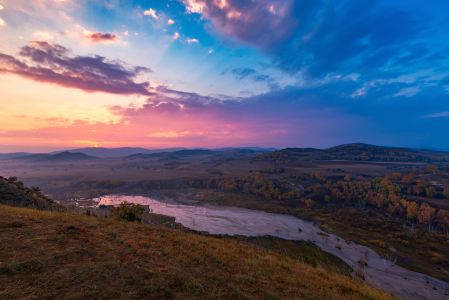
column 320, row 36
column 251, row 22
column 98, row 37
column 262, row 77
column 165, row 90
column 242, row 73
column 46, row 62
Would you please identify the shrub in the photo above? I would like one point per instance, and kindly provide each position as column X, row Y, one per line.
column 128, row 212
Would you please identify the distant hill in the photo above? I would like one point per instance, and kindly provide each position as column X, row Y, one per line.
column 62, row 156
column 354, row 151
column 13, row 155
column 359, row 152
column 14, row 193
column 255, row 149
column 228, row 153
column 130, row 151
column 118, row 152
column 180, row 153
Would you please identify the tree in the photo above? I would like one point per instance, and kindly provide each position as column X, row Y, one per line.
column 430, row 191
column 442, row 219
column 426, row 214
column 446, row 193
column 432, row 169
column 309, row 203
column 412, row 210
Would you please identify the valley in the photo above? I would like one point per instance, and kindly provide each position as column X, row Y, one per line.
column 392, row 200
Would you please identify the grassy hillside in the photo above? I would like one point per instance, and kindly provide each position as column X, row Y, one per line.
column 13, row 192
column 75, row 256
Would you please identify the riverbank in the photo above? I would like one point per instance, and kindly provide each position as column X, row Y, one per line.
column 376, row 270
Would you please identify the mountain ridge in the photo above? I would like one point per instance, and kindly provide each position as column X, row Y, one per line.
column 350, row 151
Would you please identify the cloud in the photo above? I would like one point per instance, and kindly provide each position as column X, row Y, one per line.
column 320, row 116
column 245, row 20
column 151, row 13
column 276, row 118
column 52, row 63
column 87, row 36
column 194, row 6
column 44, row 36
column 242, row 73
column 176, row 36
column 443, row 114
column 2, row 23
column 319, row 37
column 408, row 92
column 192, row 41
column 170, row 22
column 101, row 38
column 169, row 134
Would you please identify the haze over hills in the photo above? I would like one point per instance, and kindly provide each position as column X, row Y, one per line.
column 118, row 152
column 225, row 152
column 58, row 157
column 129, row 151
column 13, row 155
column 355, row 151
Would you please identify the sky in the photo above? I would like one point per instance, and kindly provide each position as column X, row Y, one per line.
column 223, row 73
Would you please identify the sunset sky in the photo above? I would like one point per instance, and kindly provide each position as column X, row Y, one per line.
column 218, row 73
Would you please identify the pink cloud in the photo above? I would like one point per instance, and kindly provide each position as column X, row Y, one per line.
column 56, row 64
column 103, row 38
column 245, row 20
column 173, row 118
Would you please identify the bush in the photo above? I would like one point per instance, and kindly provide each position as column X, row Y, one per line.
column 128, row 212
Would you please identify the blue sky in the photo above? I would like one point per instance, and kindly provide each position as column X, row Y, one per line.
column 277, row 73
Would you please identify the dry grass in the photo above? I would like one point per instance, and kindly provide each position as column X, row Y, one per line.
column 61, row 255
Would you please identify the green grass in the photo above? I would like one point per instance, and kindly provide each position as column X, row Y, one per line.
column 61, row 255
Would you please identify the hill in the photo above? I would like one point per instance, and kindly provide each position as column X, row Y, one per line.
column 358, row 152
column 175, row 154
column 199, row 153
column 62, row 156
column 131, row 151
column 119, row 152
column 13, row 155
column 76, row 256
column 13, row 192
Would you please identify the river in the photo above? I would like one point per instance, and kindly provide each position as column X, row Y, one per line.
column 378, row 272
